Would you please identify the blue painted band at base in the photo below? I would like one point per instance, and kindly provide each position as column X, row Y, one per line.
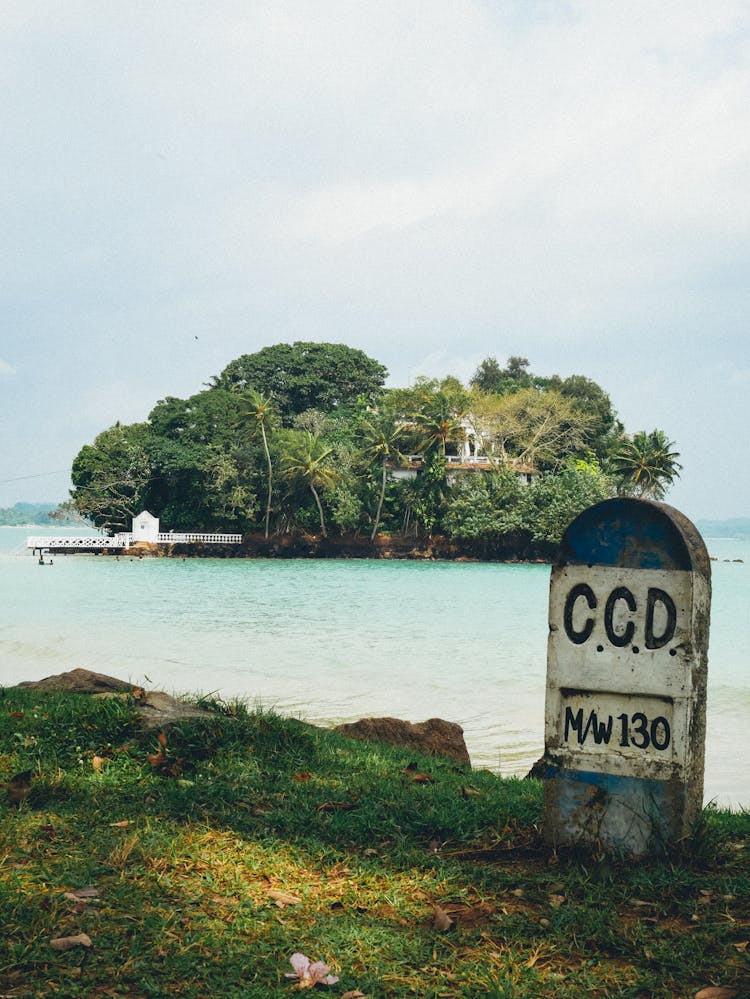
column 631, row 815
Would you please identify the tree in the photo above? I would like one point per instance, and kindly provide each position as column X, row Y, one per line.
column 305, row 458
column 111, row 476
column 490, row 377
column 438, row 421
column 517, row 369
column 546, row 507
column 204, row 474
column 591, row 399
column 67, row 513
column 262, row 411
column 539, row 428
column 208, row 417
column 481, row 505
column 424, row 498
column 382, row 433
column 645, row 465
column 301, row 376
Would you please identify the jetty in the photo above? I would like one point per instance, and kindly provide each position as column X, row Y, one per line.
column 145, row 535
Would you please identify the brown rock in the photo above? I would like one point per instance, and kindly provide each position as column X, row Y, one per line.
column 79, row 681
column 160, row 709
column 435, row 737
column 156, row 707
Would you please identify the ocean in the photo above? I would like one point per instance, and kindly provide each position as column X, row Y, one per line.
column 336, row 640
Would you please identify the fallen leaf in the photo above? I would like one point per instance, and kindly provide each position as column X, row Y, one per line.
column 303, row 776
column 354, row 994
column 742, row 947
column 162, row 740
column 716, row 992
column 470, row 792
column 422, row 779
column 97, row 762
column 282, row 898
column 556, row 901
column 66, row 943
column 138, row 694
column 121, row 824
column 156, row 759
column 441, row 921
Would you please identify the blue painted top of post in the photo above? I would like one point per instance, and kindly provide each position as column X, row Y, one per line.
column 634, row 534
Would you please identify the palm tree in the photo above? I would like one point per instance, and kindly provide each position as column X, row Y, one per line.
column 382, row 434
column 262, row 410
column 439, row 421
column 306, row 458
column 645, row 465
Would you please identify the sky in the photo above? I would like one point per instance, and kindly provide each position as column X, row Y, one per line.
column 432, row 182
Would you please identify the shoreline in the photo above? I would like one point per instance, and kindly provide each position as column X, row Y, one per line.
column 513, row 548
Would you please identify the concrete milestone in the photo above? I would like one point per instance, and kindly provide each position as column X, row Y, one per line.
column 625, row 715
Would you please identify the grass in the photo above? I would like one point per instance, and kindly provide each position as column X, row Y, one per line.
column 215, row 853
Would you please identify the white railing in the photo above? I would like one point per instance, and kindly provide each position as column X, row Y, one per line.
column 92, row 541
column 125, row 540
column 175, row 538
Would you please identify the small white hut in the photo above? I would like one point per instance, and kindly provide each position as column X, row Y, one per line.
column 146, row 528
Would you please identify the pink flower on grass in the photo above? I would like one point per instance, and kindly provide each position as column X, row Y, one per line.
column 310, row 973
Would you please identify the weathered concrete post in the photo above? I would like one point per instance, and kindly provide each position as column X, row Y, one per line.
column 625, row 716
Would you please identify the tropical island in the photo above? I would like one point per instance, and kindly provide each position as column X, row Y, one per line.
column 304, row 439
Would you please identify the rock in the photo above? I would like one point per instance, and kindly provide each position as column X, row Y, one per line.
column 79, row 681
column 157, row 709
column 435, row 737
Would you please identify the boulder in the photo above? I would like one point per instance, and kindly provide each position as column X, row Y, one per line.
column 159, row 710
column 79, row 681
column 156, row 708
column 434, row 737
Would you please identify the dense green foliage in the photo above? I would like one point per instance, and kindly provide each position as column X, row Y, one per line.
column 301, row 376
column 303, row 437
column 197, row 860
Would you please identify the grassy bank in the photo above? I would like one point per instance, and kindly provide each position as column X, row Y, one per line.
column 196, row 864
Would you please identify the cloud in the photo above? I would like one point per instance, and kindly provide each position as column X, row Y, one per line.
column 6, row 370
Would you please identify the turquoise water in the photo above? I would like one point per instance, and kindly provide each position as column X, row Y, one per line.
column 332, row 641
